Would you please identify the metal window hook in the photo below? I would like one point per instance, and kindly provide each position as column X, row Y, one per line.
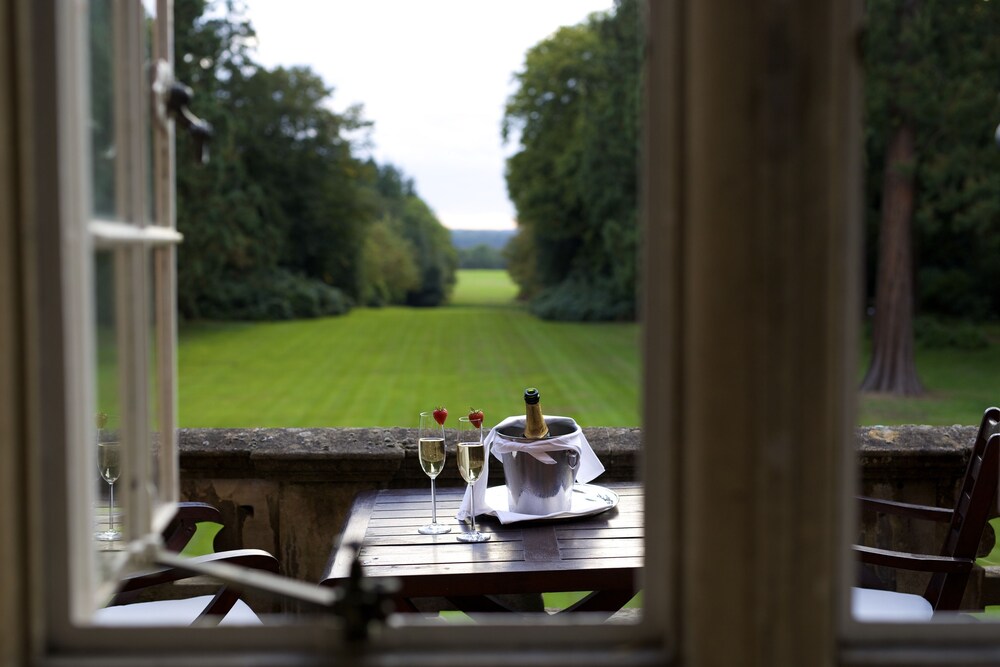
column 173, row 100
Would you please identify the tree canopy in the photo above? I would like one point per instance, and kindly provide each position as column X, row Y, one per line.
column 573, row 181
column 287, row 220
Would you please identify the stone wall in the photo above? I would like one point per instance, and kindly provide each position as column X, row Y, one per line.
column 288, row 490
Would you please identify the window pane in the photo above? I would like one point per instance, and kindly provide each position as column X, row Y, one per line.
column 104, row 100
column 149, row 113
column 160, row 432
column 107, row 455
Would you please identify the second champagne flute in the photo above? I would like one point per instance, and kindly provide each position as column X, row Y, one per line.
column 431, row 451
column 471, row 457
column 109, row 465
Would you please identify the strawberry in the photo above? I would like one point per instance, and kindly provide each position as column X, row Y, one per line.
column 476, row 417
column 440, row 414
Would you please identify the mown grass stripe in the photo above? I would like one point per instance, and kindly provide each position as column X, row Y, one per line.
column 380, row 367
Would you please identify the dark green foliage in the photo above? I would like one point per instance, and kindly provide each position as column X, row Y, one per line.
column 415, row 224
column 272, row 295
column 938, row 333
column 948, row 89
column 582, row 299
column 285, row 220
column 574, row 182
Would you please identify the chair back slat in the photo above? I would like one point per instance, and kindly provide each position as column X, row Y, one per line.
column 975, row 500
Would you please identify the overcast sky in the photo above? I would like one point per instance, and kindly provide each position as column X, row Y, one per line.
column 433, row 75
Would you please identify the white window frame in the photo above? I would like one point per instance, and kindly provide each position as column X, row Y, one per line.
column 142, row 250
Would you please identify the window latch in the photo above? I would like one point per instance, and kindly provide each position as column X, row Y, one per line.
column 179, row 98
column 173, row 100
column 362, row 601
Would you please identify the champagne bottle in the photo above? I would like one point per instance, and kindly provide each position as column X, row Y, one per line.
column 534, row 425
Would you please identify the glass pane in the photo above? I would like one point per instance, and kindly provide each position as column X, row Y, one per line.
column 150, row 129
column 160, row 447
column 104, row 94
column 108, row 517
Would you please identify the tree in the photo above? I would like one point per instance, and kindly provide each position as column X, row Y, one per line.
column 294, row 148
column 573, row 181
column 412, row 222
column 286, row 221
column 391, row 270
column 893, row 365
column 932, row 175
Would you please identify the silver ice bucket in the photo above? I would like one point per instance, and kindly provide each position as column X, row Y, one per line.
column 534, row 487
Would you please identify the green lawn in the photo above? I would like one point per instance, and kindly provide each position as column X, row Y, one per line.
column 960, row 384
column 380, row 367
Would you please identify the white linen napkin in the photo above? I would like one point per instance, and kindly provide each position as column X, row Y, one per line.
column 497, row 444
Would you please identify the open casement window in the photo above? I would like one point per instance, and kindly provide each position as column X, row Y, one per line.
column 125, row 286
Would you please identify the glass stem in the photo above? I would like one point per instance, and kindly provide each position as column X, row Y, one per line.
column 434, row 510
column 472, row 505
column 111, row 507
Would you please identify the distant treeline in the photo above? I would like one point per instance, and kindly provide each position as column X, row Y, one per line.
column 469, row 238
column 286, row 220
column 481, row 249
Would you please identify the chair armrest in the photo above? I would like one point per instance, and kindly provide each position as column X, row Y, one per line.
column 192, row 511
column 253, row 558
column 905, row 509
column 911, row 561
column 182, row 527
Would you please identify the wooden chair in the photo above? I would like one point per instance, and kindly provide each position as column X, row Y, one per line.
column 224, row 607
column 950, row 569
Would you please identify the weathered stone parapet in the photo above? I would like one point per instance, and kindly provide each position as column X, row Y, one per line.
column 383, row 457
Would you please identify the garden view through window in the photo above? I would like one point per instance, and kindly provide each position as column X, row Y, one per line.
column 385, row 228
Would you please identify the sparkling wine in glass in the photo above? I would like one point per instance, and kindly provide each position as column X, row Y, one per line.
column 109, row 465
column 431, row 451
column 471, row 457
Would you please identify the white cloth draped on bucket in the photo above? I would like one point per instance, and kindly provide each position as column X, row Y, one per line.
column 497, row 444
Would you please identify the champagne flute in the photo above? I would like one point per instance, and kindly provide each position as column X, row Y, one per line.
column 471, row 457
column 431, row 451
column 109, row 465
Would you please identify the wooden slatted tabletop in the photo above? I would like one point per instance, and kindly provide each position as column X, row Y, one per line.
column 601, row 553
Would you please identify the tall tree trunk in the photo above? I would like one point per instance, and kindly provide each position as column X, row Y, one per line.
column 893, row 367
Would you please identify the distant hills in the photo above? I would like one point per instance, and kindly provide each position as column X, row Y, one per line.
column 470, row 238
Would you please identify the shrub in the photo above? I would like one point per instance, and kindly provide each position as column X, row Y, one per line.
column 936, row 333
column 578, row 300
column 272, row 295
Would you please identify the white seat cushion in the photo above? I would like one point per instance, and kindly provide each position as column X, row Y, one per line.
column 172, row 612
column 868, row 604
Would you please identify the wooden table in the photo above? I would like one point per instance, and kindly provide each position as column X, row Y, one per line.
column 601, row 553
